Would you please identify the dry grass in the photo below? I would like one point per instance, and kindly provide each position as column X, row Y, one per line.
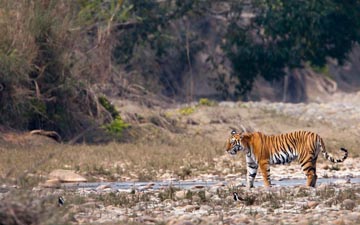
column 156, row 151
column 142, row 160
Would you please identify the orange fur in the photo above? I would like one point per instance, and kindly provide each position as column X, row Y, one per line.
column 263, row 150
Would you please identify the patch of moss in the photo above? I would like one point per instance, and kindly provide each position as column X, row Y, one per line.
column 187, row 111
column 324, row 70
column 109, row 107
column 206, row 102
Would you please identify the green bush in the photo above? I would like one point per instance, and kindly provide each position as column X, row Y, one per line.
column 206, row 102
column 116, row 127
column 109, row 107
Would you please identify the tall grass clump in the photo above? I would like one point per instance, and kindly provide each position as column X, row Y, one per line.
column 47, row 71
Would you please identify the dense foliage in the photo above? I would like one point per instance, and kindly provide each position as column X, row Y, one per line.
column 287, row 34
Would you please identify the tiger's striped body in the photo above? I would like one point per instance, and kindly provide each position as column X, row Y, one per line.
column 263, row 150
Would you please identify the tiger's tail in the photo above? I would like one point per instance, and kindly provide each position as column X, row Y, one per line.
column 329, row 157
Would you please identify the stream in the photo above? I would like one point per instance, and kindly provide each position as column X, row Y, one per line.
column 157, row 185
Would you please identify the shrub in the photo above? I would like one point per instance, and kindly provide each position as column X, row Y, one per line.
column 108, row 106
column 117, row 126
column 206, row 102
column 187, row 111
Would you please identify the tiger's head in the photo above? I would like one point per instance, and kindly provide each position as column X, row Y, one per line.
column 237, row 142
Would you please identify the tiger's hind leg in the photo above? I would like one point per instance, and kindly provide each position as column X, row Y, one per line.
column 313, row 180
column 309, row 168
column 311, row 177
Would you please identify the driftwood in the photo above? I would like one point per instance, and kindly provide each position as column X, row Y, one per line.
column 51, row 134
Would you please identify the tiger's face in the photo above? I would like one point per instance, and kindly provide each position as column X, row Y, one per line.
column 234, row 143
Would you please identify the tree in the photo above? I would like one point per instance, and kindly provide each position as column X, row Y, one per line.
column 288, row 34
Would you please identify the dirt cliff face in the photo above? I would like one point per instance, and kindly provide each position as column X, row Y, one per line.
column 300, row 85
column 209, row 73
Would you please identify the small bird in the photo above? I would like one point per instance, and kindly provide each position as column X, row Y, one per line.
column 236, row 196
column 61, row 201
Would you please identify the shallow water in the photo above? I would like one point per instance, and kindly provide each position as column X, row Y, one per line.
column 128, row 186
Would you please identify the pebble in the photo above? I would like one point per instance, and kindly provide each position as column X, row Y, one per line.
column 198, row 187
column 312, row 204
column 66, row 176
column 208, row 195
column 180, row 194
column 51, row 183
column 190, row 208
column 348, row 204
column 103, row 186
column 206, row 208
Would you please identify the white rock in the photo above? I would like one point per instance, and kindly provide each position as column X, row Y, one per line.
column 66, row 176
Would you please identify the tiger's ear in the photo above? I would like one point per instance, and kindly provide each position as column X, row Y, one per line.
column 233, row 132
column 246, row 136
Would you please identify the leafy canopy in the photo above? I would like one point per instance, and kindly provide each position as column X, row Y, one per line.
column 286, row 34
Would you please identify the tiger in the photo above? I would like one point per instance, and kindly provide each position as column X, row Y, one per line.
column 263, row 150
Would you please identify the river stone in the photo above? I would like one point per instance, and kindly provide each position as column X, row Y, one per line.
column 51, row 183
column 190, row 208
column 242, row 219
column 303, row 221
column 312, row 204
column 216, row 199
column 348, row 204
column 168, row 202
column 179, row 222
column 206, row 208
column 339, row 221
column 229, row 199
column 103, row 186
column 342, row 181
column 220, row 184
column 147, row 219
column 198, row 186
column 196, row 198
column 354, row 216
column 66, row 176
column 180, row 194
column 149, row 185
column 208, row 195
column 213, row 190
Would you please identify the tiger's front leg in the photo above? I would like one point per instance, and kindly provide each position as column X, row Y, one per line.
column 252, row 167
column 265, row 170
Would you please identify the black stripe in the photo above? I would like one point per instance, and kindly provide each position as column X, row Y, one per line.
column 253, row 166
column 303, row 164
column 252, row 174
column 283, row 159
column 312, row 169
column 307, row 168
column 288, row 147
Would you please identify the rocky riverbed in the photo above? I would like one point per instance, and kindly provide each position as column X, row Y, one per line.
column 216, row 205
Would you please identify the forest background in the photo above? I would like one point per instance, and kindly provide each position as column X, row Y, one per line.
column 61, row 61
